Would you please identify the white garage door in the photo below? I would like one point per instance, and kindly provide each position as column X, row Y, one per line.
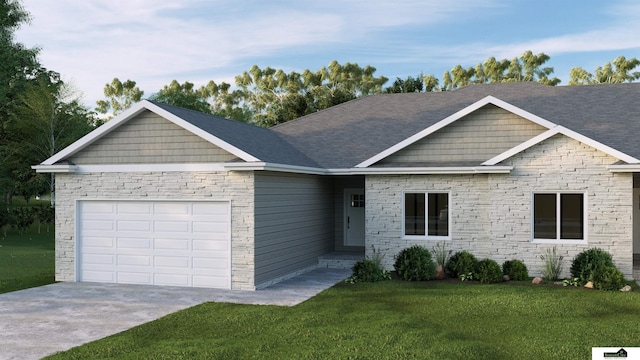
column 155, row 242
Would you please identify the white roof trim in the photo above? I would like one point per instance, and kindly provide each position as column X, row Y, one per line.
column 569, row 133
column 452, row 118
column 423, row 170
column 132, row 112
column 624, row 168
column 263, row 166
column 62, row 168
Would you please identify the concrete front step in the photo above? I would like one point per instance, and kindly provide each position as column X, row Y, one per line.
column 339, row 260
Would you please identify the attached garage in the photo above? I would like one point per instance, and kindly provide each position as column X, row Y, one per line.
column 177, row 243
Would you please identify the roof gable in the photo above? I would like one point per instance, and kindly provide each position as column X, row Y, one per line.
column 489, row 100
column 131, row 113
column 471, row 140
column 247, row 142
column 148, row 138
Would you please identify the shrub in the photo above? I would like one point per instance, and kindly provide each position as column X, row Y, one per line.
column 608, row 278
column 516, row 270
column 487, row 271
column 415, row 264
column 587, row 261
column 552, row 264
column 462, row 262
column 368, row 270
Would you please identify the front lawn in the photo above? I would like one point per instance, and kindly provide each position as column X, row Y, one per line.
column 26, row 260
column 391, row 320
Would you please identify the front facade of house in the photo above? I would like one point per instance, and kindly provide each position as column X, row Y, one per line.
column 165, row 196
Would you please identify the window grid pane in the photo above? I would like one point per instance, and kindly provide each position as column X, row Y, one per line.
column 544, row 216
column 414, row 214
column 571, row 216
column 438, row 214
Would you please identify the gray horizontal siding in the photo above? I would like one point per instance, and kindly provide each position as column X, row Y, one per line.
column 293, row 222
column 150, row 139
column 477, row 137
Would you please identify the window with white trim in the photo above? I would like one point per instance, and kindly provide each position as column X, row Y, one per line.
column 559, row 216
column 426, row 214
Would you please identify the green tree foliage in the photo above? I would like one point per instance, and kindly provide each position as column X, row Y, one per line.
column 48, row 118
column 274, row 96
column 18, row 66
column 409, row 85
column 227, row 103
column 526, row 67
column 619, row 70
column 183, row 95
column 119, row 96
column 17, row 63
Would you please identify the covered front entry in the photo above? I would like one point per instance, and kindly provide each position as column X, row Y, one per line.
column 178, row 243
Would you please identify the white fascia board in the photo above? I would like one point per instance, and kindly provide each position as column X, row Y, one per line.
column 263, row 166
column 201, row 133
column 452, row 118
column 97, row 133
column 566, row 132
column 150, row 168
column 423, row 170
column 624, row 168
column 55, row 168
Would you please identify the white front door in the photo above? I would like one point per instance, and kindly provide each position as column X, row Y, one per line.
column 354, row 217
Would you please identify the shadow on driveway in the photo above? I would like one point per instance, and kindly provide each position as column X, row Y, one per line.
column 41, row 321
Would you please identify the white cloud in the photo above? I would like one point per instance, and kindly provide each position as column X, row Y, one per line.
column 154, row 42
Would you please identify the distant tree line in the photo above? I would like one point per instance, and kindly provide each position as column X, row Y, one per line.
column 267, row 97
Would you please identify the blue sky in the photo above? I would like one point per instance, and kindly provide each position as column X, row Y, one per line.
column 153, row 42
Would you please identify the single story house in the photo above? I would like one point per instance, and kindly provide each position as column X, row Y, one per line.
column 165, row 195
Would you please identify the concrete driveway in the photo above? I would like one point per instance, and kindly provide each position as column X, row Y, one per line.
column 41, row 321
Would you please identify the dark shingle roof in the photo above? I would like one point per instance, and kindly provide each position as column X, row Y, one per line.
column 345, row 135
column 262, row 143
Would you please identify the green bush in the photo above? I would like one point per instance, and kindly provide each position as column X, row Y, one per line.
column 515, row 269
column 415, row 264
column 608, row 278
column 461, row 263
column 368, row 270
column 487, row 271
column 587, row 261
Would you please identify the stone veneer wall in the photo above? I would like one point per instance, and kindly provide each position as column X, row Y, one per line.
column 235, row 186
column 491, row 214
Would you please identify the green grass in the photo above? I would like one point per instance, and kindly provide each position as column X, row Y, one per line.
column 26, row 260
column 391, row 320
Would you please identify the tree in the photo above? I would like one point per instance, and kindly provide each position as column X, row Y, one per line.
column 119, row 96
column 183, row 95
column 408, row 85
column 49, row 118
column 619, row 70
column 18, row 66
column 226, row 103
column 274, row 97
column 526, row 67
